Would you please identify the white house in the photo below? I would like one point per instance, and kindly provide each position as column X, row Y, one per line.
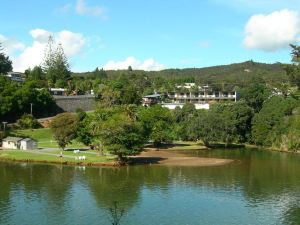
column 19, row 143
column 58, row 91
column 11, row 143
column 28, row 144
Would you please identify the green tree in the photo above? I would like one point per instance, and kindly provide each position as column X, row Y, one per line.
column 118, row 132
column 27, row 121
column 255, row 94
column 210, row 127
column 64, row 128
column 36, row 73
column 5, row 62
column 158, row 123
column 267, row 123
column 293, row 71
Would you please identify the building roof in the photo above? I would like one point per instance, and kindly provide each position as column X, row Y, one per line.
column 14, row 139
column 58, row 89
column 152, row 96
column 27, row 139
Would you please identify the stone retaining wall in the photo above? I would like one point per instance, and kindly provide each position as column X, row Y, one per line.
column 71, row 103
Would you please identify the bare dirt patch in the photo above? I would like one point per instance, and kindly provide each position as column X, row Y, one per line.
column 169, row 158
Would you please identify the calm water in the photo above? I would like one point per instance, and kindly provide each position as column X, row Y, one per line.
column 258, row 188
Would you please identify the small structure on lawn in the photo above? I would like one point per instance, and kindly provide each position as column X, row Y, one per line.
column 19, row 143
column 28, row 144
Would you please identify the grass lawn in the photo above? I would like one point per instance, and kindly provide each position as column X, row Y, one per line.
column 19, row 155
column 44, row 137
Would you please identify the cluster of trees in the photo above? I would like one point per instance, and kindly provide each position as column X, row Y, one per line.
column 121, row 130
column 16, row 100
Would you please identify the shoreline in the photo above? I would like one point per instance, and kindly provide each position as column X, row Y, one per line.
column 65, row 163
column 148, row 157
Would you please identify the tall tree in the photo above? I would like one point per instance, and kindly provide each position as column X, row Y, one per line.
column 5, row 62
column 55, row 64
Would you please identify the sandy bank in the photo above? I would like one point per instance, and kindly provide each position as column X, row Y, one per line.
column 169, row 158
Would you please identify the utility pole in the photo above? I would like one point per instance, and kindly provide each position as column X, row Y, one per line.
column 31, row 108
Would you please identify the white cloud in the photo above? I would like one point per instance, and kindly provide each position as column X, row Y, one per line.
column 83, row 9
column 273, row 31
column 33, row 55
column 71, row 42
column 147, row 65
column 10, row 45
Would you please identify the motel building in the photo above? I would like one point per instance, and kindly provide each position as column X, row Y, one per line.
column 200, row 96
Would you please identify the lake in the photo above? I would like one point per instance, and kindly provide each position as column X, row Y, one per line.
column 259, row 187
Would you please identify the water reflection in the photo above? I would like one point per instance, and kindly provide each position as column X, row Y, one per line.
column 259, row 187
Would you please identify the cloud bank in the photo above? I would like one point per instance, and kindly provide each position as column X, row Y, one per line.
column 32, row 55
column 147, row 65
column 273, row 31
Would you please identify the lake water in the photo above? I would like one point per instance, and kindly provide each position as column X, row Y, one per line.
column 258, row 188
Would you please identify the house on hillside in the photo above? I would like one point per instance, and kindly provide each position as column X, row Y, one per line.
column 149, row 100
column 58, row 91
column 19, row 143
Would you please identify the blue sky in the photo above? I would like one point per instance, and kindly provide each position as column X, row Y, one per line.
column 150, row 35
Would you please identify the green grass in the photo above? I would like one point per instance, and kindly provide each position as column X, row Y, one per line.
column 19, row 155
column 44, row 137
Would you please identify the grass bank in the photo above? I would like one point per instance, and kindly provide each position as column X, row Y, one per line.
column 92, row 158
column 44, row 137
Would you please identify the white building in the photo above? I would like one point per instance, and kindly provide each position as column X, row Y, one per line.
column 16, row 76
column 58, row 91
column 200, row 96
column 19, row 143
column 28, row 144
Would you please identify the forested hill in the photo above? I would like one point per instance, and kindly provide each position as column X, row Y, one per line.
column 233, row 73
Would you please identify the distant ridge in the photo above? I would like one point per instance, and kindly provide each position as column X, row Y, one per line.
column 237, row 72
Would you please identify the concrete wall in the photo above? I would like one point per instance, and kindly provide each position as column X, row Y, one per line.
column 71, row 103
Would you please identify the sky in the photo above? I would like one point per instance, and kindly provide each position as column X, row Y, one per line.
column 150, row 35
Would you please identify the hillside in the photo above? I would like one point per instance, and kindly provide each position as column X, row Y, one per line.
column 233, row 73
